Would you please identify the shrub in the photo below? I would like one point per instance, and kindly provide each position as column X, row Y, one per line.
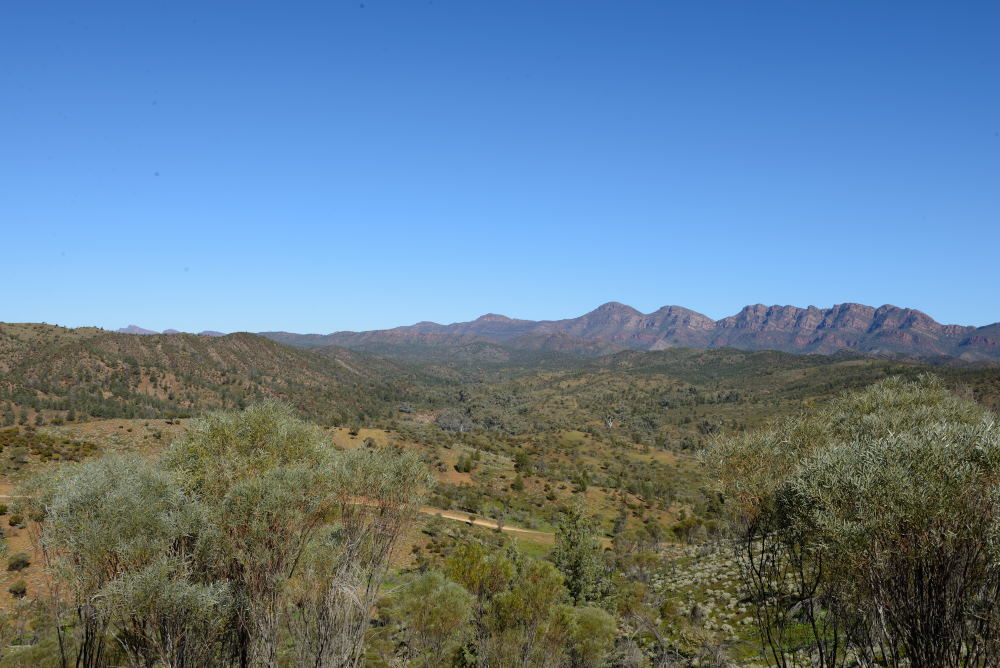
column 15, row 520
column 18, row 562
column 518, row 484
column 435, row 613
column 18, row 589
column 464, row 464
column 3, row 508
column 884, row 507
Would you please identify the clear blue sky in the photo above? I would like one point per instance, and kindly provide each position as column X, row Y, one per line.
column 318, row 166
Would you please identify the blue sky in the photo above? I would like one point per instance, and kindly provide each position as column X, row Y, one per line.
column 318, row 166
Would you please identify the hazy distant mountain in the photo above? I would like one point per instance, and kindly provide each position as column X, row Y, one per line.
column 135, row 329
column 885, row 331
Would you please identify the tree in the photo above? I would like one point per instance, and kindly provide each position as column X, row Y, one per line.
column 578, row 554
column 248, row 530
column 528, row 624
column 485, row 574
column 435, row 613
column 523, row 462
column 269, row 478
column 592, row 636
column 375, row 495
column 454, row 420
column 518, row 484
column 872, row 526
column 122, row 535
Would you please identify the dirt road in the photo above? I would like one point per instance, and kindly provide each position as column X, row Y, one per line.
column 540, row 536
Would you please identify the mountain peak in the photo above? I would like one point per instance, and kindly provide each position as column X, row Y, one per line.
column 883, row 330
column 136, row 329
column 615, row 308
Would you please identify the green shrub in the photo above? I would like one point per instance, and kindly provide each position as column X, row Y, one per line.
column 18, row 562
column 884, row 504
column 18, row 589
column 3, row 508
column 518, row 484
column 15, row 520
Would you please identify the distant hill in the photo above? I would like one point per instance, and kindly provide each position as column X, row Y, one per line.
column 107, row 374
column 887, row 331
column 442, row 346
column 525, row 383
column 135, row 329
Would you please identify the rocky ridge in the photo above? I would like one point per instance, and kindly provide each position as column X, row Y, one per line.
column 883, row 331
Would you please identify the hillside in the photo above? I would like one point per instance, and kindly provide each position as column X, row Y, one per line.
column 414, row 344
column 61, row 372
column 514, row 432
column 676, row 398
column 526, row 384
column 887, row 331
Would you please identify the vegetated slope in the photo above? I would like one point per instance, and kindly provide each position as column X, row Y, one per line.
column 465, row 352
column 107, row 374
column 561, row 342
column 678, row 396
column 883, row 331
column 18, row 339
column 440, row 347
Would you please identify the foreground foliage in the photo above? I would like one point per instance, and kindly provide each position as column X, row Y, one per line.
column 868, row 531
column 866, row 535
column 207, row 555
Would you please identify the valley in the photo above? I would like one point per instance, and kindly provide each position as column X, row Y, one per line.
column 513, row 436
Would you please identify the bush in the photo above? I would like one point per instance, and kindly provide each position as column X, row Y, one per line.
column 15, row 520
column 18, row 562
column 18, row 589
column 884, row 506
column 3, row 508
column 464, row 464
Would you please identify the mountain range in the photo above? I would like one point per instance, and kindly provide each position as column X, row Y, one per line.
column 135, row 329
column 886, row 331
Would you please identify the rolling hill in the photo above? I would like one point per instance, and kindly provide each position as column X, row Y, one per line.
column 54, row 370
